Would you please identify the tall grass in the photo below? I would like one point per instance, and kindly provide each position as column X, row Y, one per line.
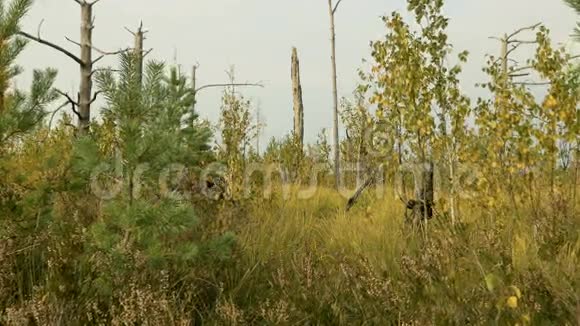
column 308, row 262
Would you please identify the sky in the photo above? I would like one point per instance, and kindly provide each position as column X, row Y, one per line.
column 256, row 38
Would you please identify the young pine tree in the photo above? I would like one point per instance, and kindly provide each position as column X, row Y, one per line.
column 151, row 140
column 19, row 112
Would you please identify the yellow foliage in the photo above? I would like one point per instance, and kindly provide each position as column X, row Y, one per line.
column 512, row 302
column 550, row 102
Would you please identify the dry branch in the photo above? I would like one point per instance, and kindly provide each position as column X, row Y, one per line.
column 532, row 27
column 228, row 84
column 52, row 45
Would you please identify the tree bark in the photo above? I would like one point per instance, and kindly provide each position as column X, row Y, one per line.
column 504, row 57
column 424, row 191
column 138, row 50
column 85, row 61
column 297, row 97
column 193, row 87
column 331, row 11
column 86, row 68
column 454, row 205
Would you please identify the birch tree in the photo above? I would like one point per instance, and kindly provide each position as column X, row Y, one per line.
column 331, row 13
column 413, row 86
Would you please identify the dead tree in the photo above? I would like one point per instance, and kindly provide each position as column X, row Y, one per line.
column 509, row 44
column 259, row 126
column 354, row 198
column 421, row 209
column 82, row 105
column 138, row 49
column 195, row 89
column 297, row 97
column 417, row 210
column 331, row 11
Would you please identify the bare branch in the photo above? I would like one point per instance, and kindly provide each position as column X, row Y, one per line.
column 94, row 3
column 336, row 6
column 39, row 27
column 139, row 30
column 532, row 83
column 95, row 96
column 104, row 54
column 73, row 103
column 515, row 47
column 228, row 84
column 99, row 59
column 70, row 100
column 55, row 112
column 130, row 31
column 97, row 70
column 79, row 2
column 521, row 69
column 522, row 42
column 52, row 45
column 147, row 52
column 77, row 113
column 519, row 75
column 522, row 30
column 110, row 53
column 97, row 49
column 73, row 42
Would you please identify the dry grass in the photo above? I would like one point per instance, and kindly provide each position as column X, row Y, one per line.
column 307, row 261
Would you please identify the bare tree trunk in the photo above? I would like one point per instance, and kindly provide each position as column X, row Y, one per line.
column 453, row 198
column 504, row 56
column 85, row 62
column 193, row 87
column 297, row 96
column 425, row 192
column 258, row 129
column 331, row 11
column 360, row 166
column 138, row 50
column 86, row 68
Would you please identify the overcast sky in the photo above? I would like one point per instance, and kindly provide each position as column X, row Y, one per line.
column 256, row 37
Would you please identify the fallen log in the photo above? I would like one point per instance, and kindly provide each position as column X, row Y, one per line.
column 352, row 200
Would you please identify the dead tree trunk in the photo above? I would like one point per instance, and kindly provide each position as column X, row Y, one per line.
column 258, row 128
column 139, row 38
column 331, row 12
column 86, row 68
column 82, row 106
column 297, row 96
column 138, row 50
column 425, row 191
column 193, row 87
column 353, row 199
column 422, row 208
